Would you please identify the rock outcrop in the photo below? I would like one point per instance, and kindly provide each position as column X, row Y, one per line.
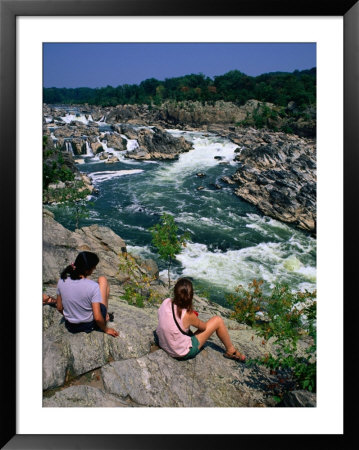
column 95, row 369
column 199, row 115
column 276, row 172
column 279, row 177
column 156, row 143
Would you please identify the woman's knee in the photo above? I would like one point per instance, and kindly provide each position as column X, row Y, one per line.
column 216, row 322
column 102, row 280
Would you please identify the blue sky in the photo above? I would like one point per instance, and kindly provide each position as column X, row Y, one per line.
column 96, row 65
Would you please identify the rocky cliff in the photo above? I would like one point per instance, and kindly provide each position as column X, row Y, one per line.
column 276, row 172
column 128, row 371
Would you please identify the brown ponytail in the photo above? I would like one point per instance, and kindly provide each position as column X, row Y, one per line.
column 82, row 266
column 183, row 295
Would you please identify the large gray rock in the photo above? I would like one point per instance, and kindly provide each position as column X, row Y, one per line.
column 61, row 246
column 82, row 396
column 276, row 172
column 67, row 355
column 115, row 141
column 208, row 380
column 157, row 143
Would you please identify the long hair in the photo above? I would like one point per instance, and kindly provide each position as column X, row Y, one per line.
column 183, row 295
column 84, row 263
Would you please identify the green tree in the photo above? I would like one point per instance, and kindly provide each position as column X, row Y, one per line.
column 167, row 242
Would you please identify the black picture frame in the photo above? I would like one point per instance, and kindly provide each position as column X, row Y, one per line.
column 9, row 10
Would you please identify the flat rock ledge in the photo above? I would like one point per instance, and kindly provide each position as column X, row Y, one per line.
column 135, row 373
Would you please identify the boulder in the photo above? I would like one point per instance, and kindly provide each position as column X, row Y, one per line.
column 82, row 396
column 279, row 177
column 111, row 160
column 209, row 380
column 96, row 147
column 61, row 246
column 67, row 355
column 156, row 143
column 115, row 141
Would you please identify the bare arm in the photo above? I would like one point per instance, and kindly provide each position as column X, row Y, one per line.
column 59, row 306
column 194, row 321
column 96, row 308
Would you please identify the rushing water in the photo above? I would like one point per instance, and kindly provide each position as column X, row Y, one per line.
column 232, row 242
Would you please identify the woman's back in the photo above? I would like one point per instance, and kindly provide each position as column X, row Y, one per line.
column 171, row 339
column 77, row 298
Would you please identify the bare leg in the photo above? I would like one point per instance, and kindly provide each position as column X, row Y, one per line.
column 216, row 324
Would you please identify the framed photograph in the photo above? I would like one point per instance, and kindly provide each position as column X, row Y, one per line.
column 26, row 29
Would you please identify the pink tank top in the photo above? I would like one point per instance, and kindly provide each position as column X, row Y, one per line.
column 171, row 339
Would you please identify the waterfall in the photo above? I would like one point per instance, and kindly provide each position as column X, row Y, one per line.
column 69, row 147
column 89, row 151
column 68, row 118
column 104, row 145
column 131, row 143
column 111, row 150
column 54, row 139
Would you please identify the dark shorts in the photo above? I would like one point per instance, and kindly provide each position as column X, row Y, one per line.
column 86, row 327
column 193, row 351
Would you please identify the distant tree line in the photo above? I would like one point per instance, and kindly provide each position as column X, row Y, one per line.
column 233, row 86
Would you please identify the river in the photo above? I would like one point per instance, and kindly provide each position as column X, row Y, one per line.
column 231, row 241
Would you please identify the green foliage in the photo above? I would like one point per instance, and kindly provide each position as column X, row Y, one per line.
column 55, row 171
column 74, row 194
column 262, row 116
column 287, row 129
column 288, row 317
column 73, row 197
column 54, row 168
column 133, row 297
column 233, row 86
column 138, row 291
column 246, row 303
column 166, row 241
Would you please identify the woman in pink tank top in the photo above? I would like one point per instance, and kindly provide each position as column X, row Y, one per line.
column 175, row 317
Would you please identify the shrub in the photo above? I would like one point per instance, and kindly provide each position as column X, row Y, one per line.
column 138, row 291
column 287, row 318
column 287, row 129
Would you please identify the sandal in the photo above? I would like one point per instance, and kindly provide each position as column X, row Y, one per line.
column 111, row 316
column 236, row 356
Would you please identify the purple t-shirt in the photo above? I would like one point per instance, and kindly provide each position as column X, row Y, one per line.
column 77, row 298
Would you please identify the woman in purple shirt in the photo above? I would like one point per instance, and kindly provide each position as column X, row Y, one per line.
column 84, row 302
